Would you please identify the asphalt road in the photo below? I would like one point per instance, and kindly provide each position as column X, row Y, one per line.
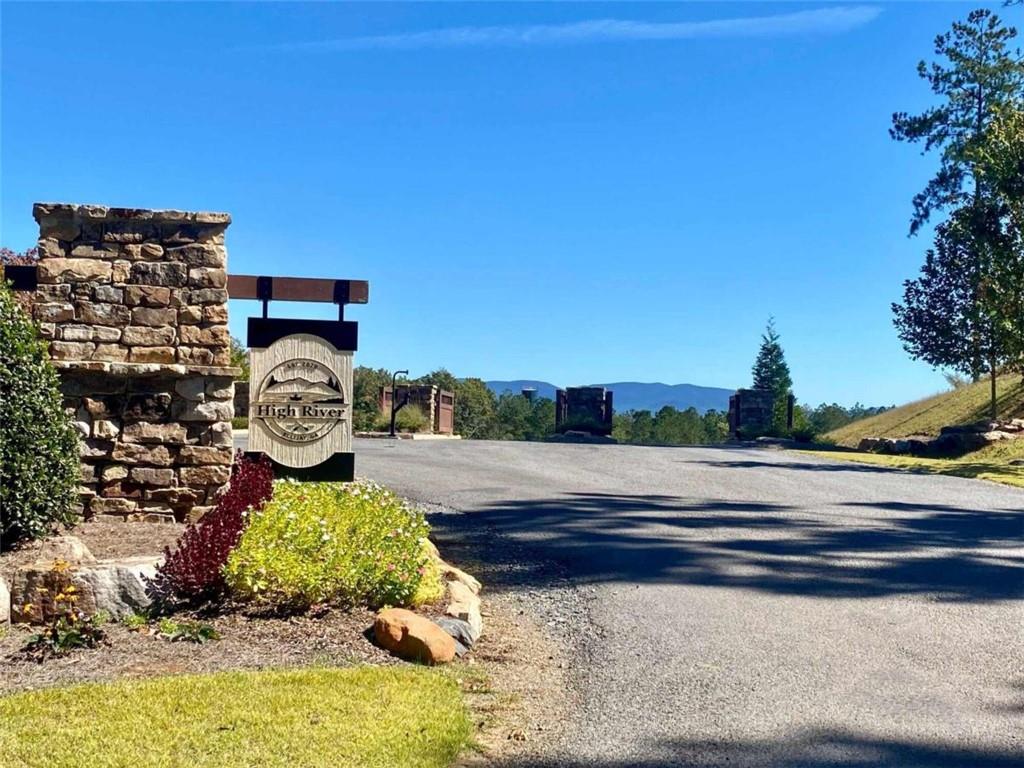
column 756, row 607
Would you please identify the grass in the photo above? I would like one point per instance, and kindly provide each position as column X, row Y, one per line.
column 370, row 717
column 926, row 417
column 989, row 463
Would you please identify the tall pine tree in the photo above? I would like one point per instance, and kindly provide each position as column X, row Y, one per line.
column 771, row 372
column 980, row 75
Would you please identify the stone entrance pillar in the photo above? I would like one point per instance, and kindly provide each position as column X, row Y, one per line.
column 134, row 303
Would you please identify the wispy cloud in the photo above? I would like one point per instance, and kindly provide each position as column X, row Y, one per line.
column 829, row 20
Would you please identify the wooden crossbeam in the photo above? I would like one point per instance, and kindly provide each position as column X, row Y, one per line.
column 264, row 288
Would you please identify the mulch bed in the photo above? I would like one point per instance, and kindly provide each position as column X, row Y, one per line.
column 247, row 642
column 334, row 639
column 106, row 538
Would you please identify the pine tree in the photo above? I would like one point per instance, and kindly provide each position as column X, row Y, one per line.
column 982, row 76
column 771, row 372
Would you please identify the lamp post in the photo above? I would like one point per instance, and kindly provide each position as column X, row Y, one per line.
column 395, row 408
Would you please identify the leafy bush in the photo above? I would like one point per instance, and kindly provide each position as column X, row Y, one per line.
column 136, row 622
column 186, row 631
column 805, row 434
column 431, row 588
column 193, row 572
column 39, row 464
column 410, row 419
column 348, row 544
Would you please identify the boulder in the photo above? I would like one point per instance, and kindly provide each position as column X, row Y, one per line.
column 70, row 549
column 464, row 604
column 458, row 629
column 413, row 637
column 451, row 573
column 117, row 587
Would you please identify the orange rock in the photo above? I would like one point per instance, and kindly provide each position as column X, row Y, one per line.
column 413, row 637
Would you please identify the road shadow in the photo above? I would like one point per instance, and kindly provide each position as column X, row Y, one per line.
column 949, row 553
column 816, row 749
column 803, row 465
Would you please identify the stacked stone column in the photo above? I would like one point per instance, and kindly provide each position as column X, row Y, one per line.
column 134, row 303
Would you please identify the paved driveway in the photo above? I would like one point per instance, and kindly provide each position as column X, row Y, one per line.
column 756, row 607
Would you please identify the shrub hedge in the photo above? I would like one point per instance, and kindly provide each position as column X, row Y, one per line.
column 345, row 544
column 39, row 462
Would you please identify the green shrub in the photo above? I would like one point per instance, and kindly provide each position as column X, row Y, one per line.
column 347, row 544
column 39, row 464
column 409, row 419
column 176, row 631
column 804, row 434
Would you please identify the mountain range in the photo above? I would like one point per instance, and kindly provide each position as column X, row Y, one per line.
column 635, row 395
column 305, row 389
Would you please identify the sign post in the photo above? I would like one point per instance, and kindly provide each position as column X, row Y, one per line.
column 300, row 410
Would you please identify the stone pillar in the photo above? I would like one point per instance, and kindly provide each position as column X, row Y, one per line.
column 134, row 303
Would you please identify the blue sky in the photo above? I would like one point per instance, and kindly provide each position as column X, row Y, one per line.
column 570, row 192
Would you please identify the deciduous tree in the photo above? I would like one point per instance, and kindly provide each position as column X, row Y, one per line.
column 948, row 317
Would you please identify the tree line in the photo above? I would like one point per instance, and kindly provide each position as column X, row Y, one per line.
column 480, row 414
column 965, row 310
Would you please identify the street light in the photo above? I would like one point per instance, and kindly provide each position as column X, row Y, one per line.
column 395, row 408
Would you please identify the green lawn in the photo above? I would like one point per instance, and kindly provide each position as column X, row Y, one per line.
column 366, row 717
column 991, row 463
column 928, row 416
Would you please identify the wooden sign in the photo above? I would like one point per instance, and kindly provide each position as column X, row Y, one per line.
column 300, row 411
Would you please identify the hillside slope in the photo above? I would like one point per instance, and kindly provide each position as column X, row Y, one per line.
column 928, row 416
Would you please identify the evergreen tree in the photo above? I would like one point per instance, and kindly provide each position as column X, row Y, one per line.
column 771, row 372
column 39, row 464
column 981, row 75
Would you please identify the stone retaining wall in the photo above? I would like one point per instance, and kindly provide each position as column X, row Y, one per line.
column 134, row 303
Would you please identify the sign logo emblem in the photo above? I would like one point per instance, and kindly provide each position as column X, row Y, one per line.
column 300, row 401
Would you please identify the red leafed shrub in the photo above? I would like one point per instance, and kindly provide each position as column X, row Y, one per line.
column 29, row 256
column 193, row 572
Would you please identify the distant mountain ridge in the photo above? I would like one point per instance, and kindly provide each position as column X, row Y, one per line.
column 636, row 395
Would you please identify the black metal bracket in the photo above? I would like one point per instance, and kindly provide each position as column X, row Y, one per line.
column 264, row 331
column 265, row 292
column 339, row 468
